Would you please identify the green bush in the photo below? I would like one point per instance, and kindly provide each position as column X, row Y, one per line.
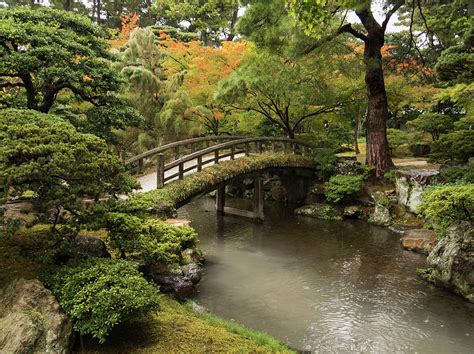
column 325, row 161
column 396, row 138
column 446, row 204
column 149, row 239
column 342, row 187
column 433, row 123
column 390, row 176
column 458, row 173
column 455, row 146
column 99, row 293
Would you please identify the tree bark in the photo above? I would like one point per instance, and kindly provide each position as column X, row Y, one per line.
column 356, row 136
column 378, row 152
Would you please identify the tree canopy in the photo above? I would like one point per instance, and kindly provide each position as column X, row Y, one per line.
column 47, row 54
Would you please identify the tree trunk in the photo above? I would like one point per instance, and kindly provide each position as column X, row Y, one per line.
column 378, row 153
column 356, row 136
column 233, row 22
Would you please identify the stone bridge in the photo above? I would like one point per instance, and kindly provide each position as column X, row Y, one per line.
column 230, row 157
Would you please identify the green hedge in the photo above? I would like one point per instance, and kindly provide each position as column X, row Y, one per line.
column 446, row 204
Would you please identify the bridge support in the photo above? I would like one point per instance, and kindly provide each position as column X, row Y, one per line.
column 258, row 198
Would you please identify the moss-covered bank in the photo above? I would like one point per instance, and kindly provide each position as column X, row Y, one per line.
column 178, row 329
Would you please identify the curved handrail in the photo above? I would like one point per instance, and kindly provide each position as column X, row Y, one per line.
column 162, row 149
column 260, row 145
column 229, row 144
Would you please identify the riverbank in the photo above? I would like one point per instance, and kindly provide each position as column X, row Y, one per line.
column 175, row 328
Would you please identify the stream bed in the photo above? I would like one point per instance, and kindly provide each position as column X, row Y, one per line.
column 324, row 286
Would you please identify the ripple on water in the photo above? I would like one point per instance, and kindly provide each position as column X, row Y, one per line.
column 327, row 287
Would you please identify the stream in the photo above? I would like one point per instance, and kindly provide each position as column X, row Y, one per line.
column 324, row 286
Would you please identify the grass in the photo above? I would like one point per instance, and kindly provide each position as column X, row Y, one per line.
column 178, row 329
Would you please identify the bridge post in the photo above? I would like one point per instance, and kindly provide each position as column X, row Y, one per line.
column 216, row 156
column 220, row 200
column 160, row 170
column 181, row 170
column 199, row 163
column 258, row 198
column 176, row 152
column 247, row 149
column 140, row 167
column 232, row 153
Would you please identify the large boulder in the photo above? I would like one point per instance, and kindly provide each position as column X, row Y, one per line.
column 451, row 262
column 410, row 186
column 380, row 216
column 419, row 240
column 31, row 320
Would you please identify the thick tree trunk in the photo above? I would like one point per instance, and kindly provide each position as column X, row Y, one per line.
column 378, row 153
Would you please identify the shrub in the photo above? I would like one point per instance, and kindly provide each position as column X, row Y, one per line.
column 390, row 176
column 99, row 293
column 446, row 204
column 149, row 239
column 340, row 187
column 325, row 161
column 433, row 123
column 45, row 155
column 455, row 146
column 396, row 138
column 458, row 173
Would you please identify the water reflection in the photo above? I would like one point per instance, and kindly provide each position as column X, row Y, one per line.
column 325, row 286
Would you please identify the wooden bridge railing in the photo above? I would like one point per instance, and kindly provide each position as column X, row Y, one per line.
column 213, row 154
column 175, row 150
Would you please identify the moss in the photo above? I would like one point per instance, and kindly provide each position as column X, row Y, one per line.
column 177, row 329
column 25, row 254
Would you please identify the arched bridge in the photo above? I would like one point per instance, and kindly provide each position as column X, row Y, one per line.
column 159, row 166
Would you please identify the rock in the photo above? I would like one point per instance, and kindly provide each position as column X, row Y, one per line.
column 180, row 286
column 380, row 216
column 198, row 308
column 319, row 211
column 89, row 246
column 192, row 271
column 352, row 211
column 410, row 185
column 31, row 320
column 419, row 240
column 178, row 222
column 451, row 262
column 348, row 166
column 398, row 229
column 191, row 255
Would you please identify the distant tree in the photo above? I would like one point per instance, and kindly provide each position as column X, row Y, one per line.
column 285, row 93
column 214, row 20
column 48, row 54
column 433, row 123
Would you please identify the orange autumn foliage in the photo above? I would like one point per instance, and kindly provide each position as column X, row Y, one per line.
column 205, row 66
column 396, row 64
column 129, row 23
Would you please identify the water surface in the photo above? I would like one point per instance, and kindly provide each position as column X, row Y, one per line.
column 325, row 286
